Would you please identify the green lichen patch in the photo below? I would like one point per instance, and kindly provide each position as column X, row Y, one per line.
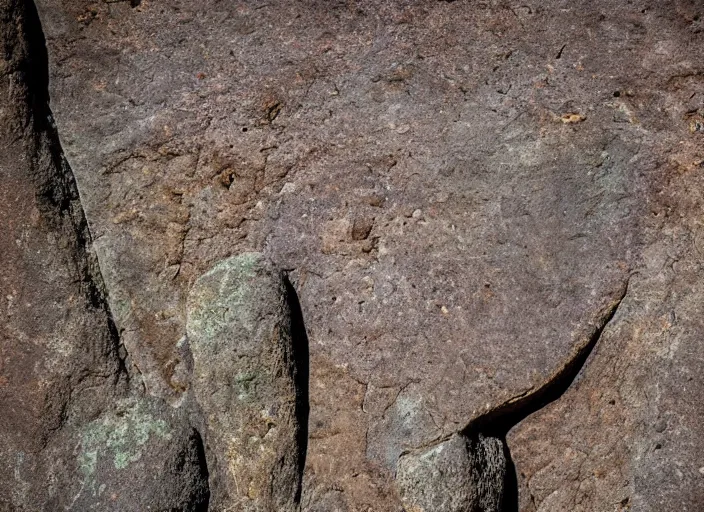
column 220, row 298
column 121, row 437
column 246, row 385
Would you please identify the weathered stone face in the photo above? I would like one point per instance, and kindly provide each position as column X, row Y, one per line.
column 628, row 433
column 245, row 380
column 141, row 455
column 456, row 475
column 59, row 360
column 461, row 194
column 73, row 434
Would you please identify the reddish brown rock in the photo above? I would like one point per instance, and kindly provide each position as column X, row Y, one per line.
column 73, row 434
column 459, row 192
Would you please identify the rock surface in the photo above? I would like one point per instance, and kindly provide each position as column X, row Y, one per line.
column 74, row 435
column 461, row 194
column 245, row 380
column 141, row 455
column 457, row 475
column 628, row 435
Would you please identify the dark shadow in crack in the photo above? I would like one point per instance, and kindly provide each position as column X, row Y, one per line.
column 38, row 60
column 498, row 422
column 201, row 502
column 510, row 498
column 301, row 360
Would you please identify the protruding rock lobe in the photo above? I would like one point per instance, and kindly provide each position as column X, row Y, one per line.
column 239, row 330
column 456, row 475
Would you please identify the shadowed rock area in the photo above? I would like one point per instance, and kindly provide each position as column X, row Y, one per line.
column 74, row 435
column 488, row 214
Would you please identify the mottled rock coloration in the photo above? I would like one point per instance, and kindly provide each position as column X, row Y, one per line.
column 490, row 211
column 141, row 455
column 60, row 359
column 456, row 475
column 245, row 380
column 74, row 434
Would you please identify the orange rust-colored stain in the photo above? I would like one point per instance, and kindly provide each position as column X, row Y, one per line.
column 572, row 117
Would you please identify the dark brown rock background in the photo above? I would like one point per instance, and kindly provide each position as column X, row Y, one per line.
column 457, row 191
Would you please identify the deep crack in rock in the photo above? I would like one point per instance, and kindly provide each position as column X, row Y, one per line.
column 472, row 471
column 56, row 184
column 301, row 358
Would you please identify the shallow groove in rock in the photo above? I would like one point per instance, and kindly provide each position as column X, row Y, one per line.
column 499, row 421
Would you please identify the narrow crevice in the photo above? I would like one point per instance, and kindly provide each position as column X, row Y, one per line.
column 56, row 183
column 499, row 421
column 301, row 360
column 509, row 502
column 202, row 501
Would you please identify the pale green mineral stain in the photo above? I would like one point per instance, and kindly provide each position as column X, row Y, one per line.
column 119, row 436
column 220, row 296
column 246, row 384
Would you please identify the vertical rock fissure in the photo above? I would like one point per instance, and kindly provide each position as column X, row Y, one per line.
column 495, row 424
column 301, row 359
column 60, row 191
column 111, row 427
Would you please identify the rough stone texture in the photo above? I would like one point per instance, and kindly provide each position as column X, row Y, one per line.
column 59, row 359
column 244, row 378
column 353, row 113
column 142, row 455
column 457, row 189
column 457, row 475
column 73, row 435
column 628, row 435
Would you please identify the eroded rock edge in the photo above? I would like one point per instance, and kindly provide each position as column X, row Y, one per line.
column 472, row 470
